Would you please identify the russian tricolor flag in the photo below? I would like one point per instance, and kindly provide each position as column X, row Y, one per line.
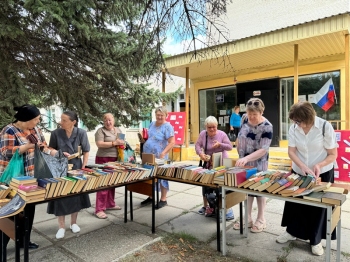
column 325, row 97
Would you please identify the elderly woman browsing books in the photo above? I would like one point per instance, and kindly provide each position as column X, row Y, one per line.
column 211, row 140
column 312, row 147
column 161, row 140
column 107, row 140
column 68, row 138
column 254, row 141
column 22, row 135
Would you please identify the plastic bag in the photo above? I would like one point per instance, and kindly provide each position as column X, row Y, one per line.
column 129, row 154
column 46, row 166
column 232, row 136
column 15, row 168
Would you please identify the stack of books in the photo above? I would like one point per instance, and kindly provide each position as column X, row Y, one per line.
column 4, row 191
column 22, row 180
column 32, row 193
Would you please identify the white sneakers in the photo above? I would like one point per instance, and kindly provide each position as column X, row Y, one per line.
column 60, row 233
column 317, row 250
column 285, row 237
column 75, row 228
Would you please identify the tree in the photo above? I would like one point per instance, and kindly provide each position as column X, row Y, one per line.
column 94, row 56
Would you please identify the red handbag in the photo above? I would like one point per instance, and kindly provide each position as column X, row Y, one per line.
column 145, row 133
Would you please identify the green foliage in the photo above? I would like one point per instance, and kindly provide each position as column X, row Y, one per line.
column 83, row 55
column 92, row 56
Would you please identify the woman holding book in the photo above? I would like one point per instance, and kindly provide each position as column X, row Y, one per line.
column 68, row 138
column 210, row 141
column 107, row 141
column 254, row 141
column 22, row 135
column 161, row 140
column 312, row 147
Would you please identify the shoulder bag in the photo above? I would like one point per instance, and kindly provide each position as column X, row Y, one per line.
column 204, row 163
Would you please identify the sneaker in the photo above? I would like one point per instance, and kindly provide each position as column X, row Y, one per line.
column 209, row 212
column 161, row 204
column 75, row 228
column 317, row 250
column 146, row 202
column 229, row 215
column 60, row 233
column 201, row 211
column 285, row 237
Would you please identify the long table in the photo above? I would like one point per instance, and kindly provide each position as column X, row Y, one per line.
column 3, row 247
column 335, row 221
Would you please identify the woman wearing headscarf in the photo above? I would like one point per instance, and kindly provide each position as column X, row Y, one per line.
column 15, row 136
column 68, row 138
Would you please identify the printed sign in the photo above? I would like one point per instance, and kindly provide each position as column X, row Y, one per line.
column 342, row 165
column 178, row 121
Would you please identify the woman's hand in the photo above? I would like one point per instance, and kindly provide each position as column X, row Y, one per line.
column 216, row 144
column 231, row 128
column 306, row 171
column 317, row 170
column 203, row 157
column 66, row 154
column 242, row 161
column 161, row 155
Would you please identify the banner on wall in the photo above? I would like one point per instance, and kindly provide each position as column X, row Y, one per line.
column 178, row 121
column 342, row 166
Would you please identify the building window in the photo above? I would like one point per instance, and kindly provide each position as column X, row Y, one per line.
column 217, row 102
column 309, row 85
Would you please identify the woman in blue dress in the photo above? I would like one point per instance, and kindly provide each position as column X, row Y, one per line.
column 160, row 141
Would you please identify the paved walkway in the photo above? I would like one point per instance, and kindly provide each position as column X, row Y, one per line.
column 111, row 239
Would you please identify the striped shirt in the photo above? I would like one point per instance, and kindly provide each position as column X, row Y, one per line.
column 12, row 138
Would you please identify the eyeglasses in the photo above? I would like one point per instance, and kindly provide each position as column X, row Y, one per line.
column 296, row 122
column 256, row 103
column 212, row 127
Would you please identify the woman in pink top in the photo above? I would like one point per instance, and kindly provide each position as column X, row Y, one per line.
column 217, row 141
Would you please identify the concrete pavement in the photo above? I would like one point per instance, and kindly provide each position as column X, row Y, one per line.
column 111, row 239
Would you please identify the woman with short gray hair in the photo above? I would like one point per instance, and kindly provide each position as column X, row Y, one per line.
column 211, row 140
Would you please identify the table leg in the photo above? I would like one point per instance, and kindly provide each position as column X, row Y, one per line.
column 217, row 193
column 241, row 218
column 126, row 204
column 4, row 239
column 246, row 217
column 338, row 239
column 154, row 183
column 328, row 234
column 223, row 210
column 17, row 238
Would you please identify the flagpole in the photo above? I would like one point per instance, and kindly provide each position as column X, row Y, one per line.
column 335, row 94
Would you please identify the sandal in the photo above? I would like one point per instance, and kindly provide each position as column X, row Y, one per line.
column 237, row 225
column 101, row 215
column 258, row 227
column 116, row 207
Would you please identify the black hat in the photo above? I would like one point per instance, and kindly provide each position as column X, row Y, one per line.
column 26, row 112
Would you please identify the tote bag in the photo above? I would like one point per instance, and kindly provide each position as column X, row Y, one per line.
column 46, row 166
column 14, row 168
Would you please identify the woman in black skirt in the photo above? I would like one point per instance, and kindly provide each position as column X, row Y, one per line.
column 312, row 147
column 68, row 138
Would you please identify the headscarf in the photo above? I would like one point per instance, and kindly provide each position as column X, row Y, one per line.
column 26, row 112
